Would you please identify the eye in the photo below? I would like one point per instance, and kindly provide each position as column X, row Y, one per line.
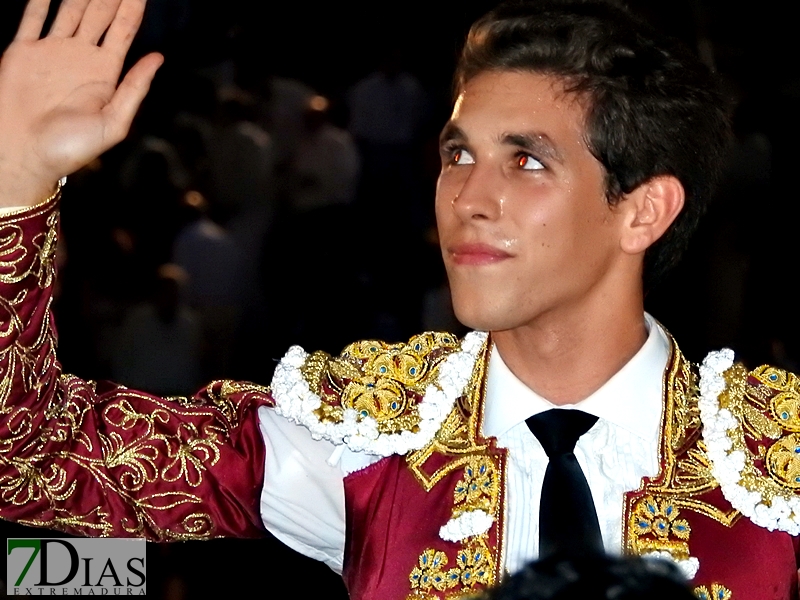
column 462, row 157
column 528, row 163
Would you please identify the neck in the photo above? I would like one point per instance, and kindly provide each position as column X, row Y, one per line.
column 567, row 354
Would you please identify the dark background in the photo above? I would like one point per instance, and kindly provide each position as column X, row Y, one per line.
column 734, row 288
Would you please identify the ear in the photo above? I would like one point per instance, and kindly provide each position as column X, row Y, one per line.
column 650, row 209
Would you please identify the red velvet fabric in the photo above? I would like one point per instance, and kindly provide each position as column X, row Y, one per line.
column 100, row 459
column 752, row 562
column 392, row 520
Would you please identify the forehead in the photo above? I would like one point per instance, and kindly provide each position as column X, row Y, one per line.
column 520, row 101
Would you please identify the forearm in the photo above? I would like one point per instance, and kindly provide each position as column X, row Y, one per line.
column 100, row 459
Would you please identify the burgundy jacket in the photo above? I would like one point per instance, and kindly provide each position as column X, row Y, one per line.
column 425, row 521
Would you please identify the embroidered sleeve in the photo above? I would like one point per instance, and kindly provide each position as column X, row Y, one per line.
column 100, row 459
column 751, row 426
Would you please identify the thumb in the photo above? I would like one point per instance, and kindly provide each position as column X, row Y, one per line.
column 118, row 114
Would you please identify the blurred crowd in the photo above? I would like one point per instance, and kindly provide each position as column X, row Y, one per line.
column 251, row 209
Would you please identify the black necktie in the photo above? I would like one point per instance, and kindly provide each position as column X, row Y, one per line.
column 567, row 518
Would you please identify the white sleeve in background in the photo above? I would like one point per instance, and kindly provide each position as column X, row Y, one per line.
column 302, row 503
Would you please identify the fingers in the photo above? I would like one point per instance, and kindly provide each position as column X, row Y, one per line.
column 124, row 27
column 96, row 20
column 119, row 113
column 68, row 18
column 30, row 28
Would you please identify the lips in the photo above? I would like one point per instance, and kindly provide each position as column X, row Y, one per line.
column 477, row 254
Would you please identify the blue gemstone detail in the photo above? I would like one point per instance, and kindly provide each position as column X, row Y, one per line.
column 370, row 385
column 773, row 377
column 413, row 370
column 651, row 508
column 373, row 349
column 797, row 479
column 680, row 527
column 721, row 595
column 784, row 415
column 382, row 369
column 669, row 510
column 424, row 559
column 417, row 347
column 364, row 413
column 797, row 449
column 643, row 524
column 661, row 526
column 466, row 575
column 394, row 405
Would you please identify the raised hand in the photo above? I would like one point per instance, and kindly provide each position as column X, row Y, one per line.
column 60, row 102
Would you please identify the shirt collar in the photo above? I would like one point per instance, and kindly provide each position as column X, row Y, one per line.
column 631, row 399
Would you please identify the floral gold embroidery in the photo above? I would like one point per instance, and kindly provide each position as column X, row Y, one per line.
column 783, row 461
column 717, row 592
column 737, row 405
column 378, row 398
column 430, row 573
column 47, row 252
column 785, row 404
column 656, row 524
column 479, row 488
column 473, row 567
column 60, row 439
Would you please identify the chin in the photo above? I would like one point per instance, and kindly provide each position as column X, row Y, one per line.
column 484, row 316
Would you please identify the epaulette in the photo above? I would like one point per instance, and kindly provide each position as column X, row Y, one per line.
column 377, row 398
column 751, row 427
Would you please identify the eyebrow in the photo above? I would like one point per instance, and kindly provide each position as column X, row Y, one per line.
column 451, row 131
column 535, row 142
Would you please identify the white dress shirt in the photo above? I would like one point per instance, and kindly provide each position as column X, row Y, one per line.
column 620, row 449
column 302, row 502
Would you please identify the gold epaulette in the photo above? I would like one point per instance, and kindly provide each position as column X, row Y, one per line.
column 375, row 397
column 751, row 426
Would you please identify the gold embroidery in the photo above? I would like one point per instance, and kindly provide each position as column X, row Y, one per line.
column 47, row 252
column 141, row 439
column 94, row 523
column 684, row 477
column 430, row 574
column 457, row 437
column 718, row 592
column 379, row 380
column 778, row 394
column 656, row 527
column 479, row 489
column 474, row 566
column 783, row 461
column 785, row 405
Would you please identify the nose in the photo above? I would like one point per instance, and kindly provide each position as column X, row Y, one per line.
column 479, row 197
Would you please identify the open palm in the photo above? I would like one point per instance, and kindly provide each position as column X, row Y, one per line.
column 60, row 102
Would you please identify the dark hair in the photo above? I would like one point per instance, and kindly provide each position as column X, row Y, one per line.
column 594, row 578
column 653, row 108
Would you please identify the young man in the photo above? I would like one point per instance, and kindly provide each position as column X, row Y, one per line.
column 576, row 162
